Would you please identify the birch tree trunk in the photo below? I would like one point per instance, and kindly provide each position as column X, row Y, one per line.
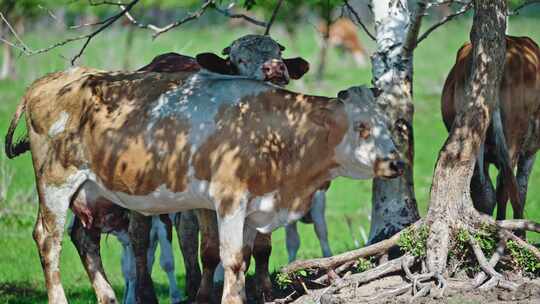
column 450, row 206
column 393, row 202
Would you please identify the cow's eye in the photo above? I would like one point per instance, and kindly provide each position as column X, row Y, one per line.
column 363, row 129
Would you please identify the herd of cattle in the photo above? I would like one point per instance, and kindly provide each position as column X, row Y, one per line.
column 217, row 146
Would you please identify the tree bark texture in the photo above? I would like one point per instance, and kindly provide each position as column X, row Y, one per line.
column 393, row 202
column 450, row 205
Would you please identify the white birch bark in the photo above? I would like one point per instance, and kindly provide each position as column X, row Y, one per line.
column 394, row 203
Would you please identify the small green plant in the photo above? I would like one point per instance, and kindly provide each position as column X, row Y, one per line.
column 283, row 280
column 364, row 264
column 486, row 239
column 413, row 241
column 523, row 258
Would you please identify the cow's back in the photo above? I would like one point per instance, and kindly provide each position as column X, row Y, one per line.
column 97, row 118
column 519, row 92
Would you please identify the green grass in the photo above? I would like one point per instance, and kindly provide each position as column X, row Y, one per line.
column 21, row 279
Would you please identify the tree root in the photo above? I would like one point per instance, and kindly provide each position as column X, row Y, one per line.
column 496, row 278
column 519, row 225
column 523, row 244
column 337, row 260
column 394, row 292
column 424, row 281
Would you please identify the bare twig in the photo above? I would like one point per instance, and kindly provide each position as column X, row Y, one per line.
column 249, row 19
column 519, row 225
column 358, row 19
column 160, row 30
column 98, row 3
column 444, row 20
column 517, row 10
column 27, row 51
column 274, row 14
column 13, row 32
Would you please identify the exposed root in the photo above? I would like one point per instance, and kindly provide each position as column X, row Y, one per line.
column 377, row 272
column 496, row 278
column 337, row 260
column 394, row 292
column 337, row 271
column 519, row 225
column 495, row 258
column 523, row 244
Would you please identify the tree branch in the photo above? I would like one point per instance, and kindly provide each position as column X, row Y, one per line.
column 249, row 19
column 273, row 18
column 160, row 30
column 358, row 20
column 414, row 28
column 522, row 6
column 106, row 23
column 444, row 20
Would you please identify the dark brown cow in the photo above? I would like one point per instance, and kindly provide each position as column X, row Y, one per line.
column 513, row 136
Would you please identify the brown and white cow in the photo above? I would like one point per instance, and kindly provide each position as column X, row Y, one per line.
column 261, row 53
column 514, row 133
column 247, row 149
column 343, row 34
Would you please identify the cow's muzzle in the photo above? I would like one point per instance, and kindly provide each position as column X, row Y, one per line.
column 276, row 72
column 388, row 168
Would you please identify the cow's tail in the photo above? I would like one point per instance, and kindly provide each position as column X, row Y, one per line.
column 13, row 149
column 509, row 182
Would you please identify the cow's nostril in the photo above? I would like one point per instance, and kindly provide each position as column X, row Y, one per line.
column 397, row 165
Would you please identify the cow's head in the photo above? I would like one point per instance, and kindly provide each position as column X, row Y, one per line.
column 367, row 149
column 257, row 57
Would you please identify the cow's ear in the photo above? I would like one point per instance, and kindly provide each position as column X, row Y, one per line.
column 214, row 63
column 297, row 67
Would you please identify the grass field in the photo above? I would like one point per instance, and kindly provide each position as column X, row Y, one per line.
column 21, row 279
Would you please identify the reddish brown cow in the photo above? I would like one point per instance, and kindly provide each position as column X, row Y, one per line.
column 514, row 133
column 343, row 34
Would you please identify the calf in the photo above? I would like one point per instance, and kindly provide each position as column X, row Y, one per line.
column 247, row 149
column 343, row 34
column 315, row 216
column 513, row 136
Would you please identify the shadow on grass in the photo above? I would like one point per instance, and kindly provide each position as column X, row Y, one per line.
column 18, row 292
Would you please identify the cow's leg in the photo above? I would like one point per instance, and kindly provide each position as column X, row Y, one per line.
column 139, row 230
column 128, row 268
column 292, row 240
column 231, row 247
column 86, row 242
column 482, row 190
column 524, row 169
column 261, row 252
column 319, row 221
column 209, row 252
column 502, row 197
column 166, row 258
column 54, row 201
column 152, row 243
column 187, row 230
